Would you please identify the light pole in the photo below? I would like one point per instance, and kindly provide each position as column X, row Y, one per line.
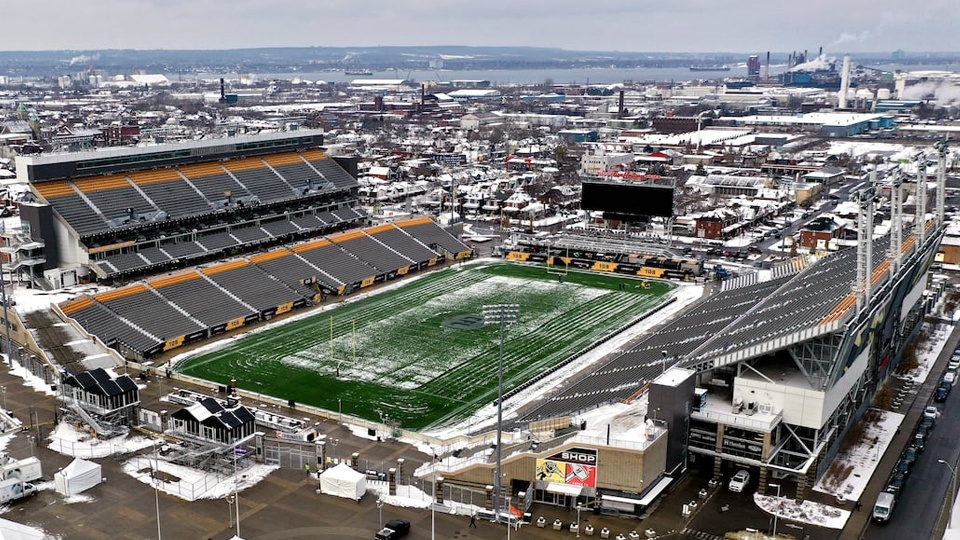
column 433, row 503
column 579, row 507
column 380, row 508
column 775, row 508
column 4, row 390
column 31, row 439
column 502, row 315
column 156, row 483
column 953, row 490
column 236, row 490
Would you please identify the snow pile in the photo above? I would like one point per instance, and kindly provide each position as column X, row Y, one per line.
column 813, row 513
column 66, row 439
column 852, row 469
column 929, row 350
column 192, row 484
column 29, row 379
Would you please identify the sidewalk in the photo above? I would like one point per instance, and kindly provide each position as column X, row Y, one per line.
column 859, row 521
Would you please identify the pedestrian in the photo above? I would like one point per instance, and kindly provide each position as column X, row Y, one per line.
column 307, row 467
column 473, row 520
column 856, row 505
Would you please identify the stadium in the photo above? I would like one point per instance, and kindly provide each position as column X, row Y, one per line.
column 767, row 373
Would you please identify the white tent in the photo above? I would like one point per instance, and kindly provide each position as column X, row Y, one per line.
column 10, row 530
column 342, row 481
column 77, row 477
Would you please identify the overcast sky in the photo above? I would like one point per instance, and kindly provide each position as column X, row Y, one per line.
column 625, row 25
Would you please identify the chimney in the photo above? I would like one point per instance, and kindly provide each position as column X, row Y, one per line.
column 844, row 83
column 766, row 74
column 620, row 110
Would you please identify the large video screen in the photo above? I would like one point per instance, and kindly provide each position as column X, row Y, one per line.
column 627, row 199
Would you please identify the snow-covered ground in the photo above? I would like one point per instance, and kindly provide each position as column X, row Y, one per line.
column 821, row 515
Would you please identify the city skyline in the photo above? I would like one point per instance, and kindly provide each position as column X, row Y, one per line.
column 604, row 25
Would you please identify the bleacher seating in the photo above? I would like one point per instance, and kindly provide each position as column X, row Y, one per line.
column 213, row 181
column 154, row 255
column 125, row 262
column 194, row 303
column 113, row 196
column 368, row 250
column 249, row 235
column 251, row 284
column 329, row 218
column 217, row 241
column 429, row 233
column 183, row 250
column 148, row 310
column 329, row 169
column 402, row 242
column 105, row 324
column 331, row 259
column 308, row 222
column 259, row 180
column 203, row 300
column 295, row 171
column 171, row 194
column 280, row 227
column 293, row 271
column 65, row 200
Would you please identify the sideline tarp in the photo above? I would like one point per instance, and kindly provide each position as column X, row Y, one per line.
column 342, row 481
column 77, row 477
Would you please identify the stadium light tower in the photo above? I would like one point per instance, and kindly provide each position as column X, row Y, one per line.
column 502, row 315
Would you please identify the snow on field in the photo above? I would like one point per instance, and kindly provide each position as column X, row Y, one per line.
column 685, row 295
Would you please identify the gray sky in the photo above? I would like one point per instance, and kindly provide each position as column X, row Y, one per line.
column 625, row 25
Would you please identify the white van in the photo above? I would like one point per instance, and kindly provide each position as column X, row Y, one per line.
column 884, row 507
column 950, row 377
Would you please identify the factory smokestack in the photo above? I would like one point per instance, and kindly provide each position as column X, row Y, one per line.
column 766, row 73
column 620, row 109
column 844, row 83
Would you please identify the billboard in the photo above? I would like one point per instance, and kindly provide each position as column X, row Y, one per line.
column 575, row 466
column 627, row 199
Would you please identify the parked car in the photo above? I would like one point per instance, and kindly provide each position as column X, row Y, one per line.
column 896, row 484
column 941, row 393
column 950, row 377
column 903, row 466
column 394, row 529
column 739, row 481
column 911, row 453
column 932, row 411
column 920, row 439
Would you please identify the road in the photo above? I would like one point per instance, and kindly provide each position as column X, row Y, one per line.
column 918, row 510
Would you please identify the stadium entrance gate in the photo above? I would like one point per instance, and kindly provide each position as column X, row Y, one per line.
column 289, row 454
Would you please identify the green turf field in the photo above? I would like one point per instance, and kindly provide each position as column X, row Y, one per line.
column 417, row 355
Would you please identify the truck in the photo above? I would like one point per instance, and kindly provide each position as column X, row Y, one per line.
column 883, row 509
column 13, row 489
column 25, row 470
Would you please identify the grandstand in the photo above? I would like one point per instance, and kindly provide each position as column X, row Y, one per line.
column 148, row 318
column 787, row 363
column 122, row 213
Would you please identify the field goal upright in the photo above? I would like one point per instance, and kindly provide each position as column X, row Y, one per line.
column 553, row 269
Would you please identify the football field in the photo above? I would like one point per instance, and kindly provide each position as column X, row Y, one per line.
column 417, row 355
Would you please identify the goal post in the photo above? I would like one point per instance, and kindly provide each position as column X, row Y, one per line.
column 557, row 269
